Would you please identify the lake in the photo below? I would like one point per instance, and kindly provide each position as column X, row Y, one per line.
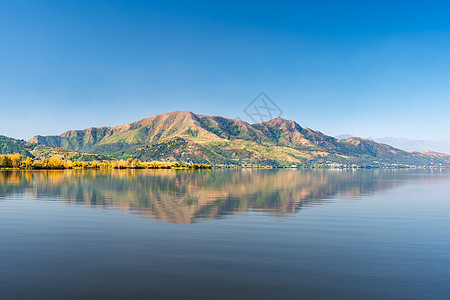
column 225, row 234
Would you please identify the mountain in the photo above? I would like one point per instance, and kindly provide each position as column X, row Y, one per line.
column 408, row 144
column 187, row 137
column 11, row 146
column 416, row 145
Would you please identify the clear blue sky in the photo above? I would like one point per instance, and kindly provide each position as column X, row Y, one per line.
column 379, row 69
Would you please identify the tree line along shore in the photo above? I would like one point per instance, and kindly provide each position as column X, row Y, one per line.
column 16, row 161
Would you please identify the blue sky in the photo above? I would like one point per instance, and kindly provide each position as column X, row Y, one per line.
column 380, row 69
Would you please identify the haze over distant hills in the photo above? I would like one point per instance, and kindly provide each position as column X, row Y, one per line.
column 409, row 144
column 186, row 137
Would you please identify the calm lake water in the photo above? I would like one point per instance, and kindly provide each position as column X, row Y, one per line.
column 225, row 234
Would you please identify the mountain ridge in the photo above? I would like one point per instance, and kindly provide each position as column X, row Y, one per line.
column 442, row 146
column 187, row 137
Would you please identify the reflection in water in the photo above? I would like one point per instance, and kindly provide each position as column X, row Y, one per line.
column 186, row 196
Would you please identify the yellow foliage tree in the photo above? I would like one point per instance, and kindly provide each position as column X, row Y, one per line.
column 29, row 162
column 5, row 161
column 55, row 162
column 16, row 160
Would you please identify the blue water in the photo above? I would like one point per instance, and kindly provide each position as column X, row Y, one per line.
column 237, row 234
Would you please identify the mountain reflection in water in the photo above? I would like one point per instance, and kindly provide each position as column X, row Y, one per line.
column 188, row 196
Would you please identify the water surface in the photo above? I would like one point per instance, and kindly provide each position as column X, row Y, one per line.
column 225, row 234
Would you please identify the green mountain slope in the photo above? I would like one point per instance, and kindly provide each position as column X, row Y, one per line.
column 37, row 151
column 187, row 137
column 11, row 146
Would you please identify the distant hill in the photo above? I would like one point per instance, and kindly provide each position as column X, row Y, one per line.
column 416, row 145
column 409, row 144
column 187, row 137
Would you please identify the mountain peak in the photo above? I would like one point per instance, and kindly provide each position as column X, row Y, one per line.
column 282, row 123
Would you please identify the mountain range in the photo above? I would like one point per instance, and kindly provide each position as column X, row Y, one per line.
column 187, row 137
column 409, row 144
